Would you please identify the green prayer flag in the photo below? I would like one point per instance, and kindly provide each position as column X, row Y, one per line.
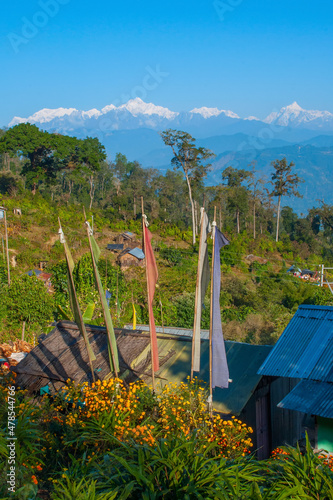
column 73, row 297
column 112, row 343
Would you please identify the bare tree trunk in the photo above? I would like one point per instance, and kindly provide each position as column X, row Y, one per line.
column 196, row 216
column 92, row 190
column 134, row 207
column 278, row 220
column 192, row 207
column 254, row 220
column 220, row 216
column 237, row 218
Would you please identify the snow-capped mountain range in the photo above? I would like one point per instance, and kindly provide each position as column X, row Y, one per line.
column 135, row 107
column 303, row 136
column 138, row 114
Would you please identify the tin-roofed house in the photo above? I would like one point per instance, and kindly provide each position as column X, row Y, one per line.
column 304, row 354
column 131, row 257
column 127, row 239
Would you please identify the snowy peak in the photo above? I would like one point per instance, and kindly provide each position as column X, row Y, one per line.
column 43, row 116
column 138, row 107
column 296, row 116
column 294, row 108
column 252, row 118
column 209, row 112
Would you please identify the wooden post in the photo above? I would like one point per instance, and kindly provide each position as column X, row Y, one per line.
column 7, row 252
column 196, row 295
column 210, row 403
column 161, row 307
column 23, row 330
column 148, row 295
column 100, row 296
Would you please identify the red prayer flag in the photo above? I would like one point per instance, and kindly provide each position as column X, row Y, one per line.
column 152, row 276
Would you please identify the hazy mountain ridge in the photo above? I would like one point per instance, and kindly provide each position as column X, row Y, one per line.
column 313, row 164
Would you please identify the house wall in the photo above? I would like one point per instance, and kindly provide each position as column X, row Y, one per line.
column 256, row 414
column 272, row 426
column 287, row 426
column 325, row 433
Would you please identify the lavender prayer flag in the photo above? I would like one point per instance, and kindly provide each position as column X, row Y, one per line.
column 220, row 371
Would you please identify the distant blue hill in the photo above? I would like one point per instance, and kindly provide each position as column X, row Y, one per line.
column 313, row 164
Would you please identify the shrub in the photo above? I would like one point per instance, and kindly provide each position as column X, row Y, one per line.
column 28, row 300
column 172, row 255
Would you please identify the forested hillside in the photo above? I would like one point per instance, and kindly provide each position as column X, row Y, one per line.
column 49, row 176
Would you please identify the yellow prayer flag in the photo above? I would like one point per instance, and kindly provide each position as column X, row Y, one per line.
column 134, row 317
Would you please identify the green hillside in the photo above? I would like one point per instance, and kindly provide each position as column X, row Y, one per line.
column 258, row 296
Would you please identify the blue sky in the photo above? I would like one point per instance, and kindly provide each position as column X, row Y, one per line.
column 250, row 56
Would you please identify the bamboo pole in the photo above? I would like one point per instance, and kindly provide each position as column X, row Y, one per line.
column 161, row 307
column 117, row 300
column 7, row 252
column 101, row 293
column 148, row 296
column 210, row 402
column 196, row 295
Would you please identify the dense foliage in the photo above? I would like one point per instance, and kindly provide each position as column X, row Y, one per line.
column 111, row 442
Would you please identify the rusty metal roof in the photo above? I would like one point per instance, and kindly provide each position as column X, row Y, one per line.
column 61, row 355
column 310, row 397
column 305, row 349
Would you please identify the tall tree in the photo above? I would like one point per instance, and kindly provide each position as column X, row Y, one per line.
column 91, row 155
column 191, row 159
column 238, row 194
column 35, row 146
column 285, row 184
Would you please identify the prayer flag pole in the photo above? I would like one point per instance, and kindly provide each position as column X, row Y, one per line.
column 210, row 399
column 107, row 317
column 7, row 252
column 197, row 298
column 152, row 329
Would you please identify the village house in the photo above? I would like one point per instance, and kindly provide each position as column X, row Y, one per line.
column 131, row 257
column 303, row 355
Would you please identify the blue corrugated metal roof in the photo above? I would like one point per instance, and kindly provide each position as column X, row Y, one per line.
column 137, row 252
column 310, row 397
column 305, row 349
column 116, row 246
